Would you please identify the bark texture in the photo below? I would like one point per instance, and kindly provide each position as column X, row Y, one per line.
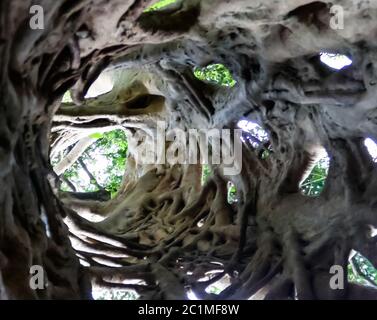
column 163, row 227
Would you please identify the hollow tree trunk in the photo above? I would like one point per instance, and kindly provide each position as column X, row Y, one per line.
column 163, row 227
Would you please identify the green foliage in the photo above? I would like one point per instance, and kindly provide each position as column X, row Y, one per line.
column 96, row 135
column 206, row 172
column 215, row 290
column 159, row 5
column 313, row 186
column 72, row 175
column 105, row 159
column 219, row 286
column 365, row 267
column 215, row 73
column 113, row 294
column 113, row 146
column 315, row 182
column 232, row 193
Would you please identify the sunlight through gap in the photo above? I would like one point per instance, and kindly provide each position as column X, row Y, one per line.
column 335, row 61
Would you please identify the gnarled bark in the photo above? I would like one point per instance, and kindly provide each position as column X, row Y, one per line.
column 163, row 227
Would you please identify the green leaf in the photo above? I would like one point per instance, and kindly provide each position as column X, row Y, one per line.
column 215, row 73
column 159, row 5
column 315, row 182
column 97, row 135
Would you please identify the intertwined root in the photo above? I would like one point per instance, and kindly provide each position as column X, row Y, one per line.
column 163, row 228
